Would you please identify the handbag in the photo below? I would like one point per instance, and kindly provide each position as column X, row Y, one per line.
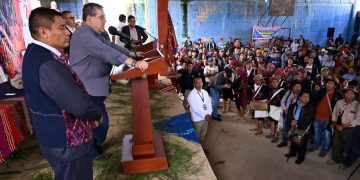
column 297, row 135
column 276, row 112
column 259, row 105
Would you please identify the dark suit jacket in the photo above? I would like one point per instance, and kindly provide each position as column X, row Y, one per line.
column 306, row 115
column 141, row 35
column 213, row 45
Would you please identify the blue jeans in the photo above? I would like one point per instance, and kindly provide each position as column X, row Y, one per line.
column 215, row 97
column 319, row 128
column 100, row 132
column 284, row 130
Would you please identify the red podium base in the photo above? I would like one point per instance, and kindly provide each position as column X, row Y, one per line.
column 134, row 165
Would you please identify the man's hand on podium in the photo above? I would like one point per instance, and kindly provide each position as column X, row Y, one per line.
column 142, row 65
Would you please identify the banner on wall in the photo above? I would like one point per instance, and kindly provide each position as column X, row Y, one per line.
column 263, row 34
column 14, row 33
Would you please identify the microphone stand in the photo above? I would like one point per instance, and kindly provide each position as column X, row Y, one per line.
column 150, row 35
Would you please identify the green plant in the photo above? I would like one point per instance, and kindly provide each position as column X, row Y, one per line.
column 47, row 174
column 108, row 169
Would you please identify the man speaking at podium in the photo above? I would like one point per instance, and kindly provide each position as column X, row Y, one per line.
column 136, row 33
column 91, row 57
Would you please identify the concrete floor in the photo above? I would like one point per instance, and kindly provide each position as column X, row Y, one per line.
column 236, row 153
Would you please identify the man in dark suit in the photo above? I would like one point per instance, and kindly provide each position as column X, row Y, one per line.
column 136, row 33
column 211, row 45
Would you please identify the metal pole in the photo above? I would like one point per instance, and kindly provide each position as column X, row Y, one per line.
column 267, row 9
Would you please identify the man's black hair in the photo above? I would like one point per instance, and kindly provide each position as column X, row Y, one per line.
column 89, row 9
column 130, row 17
column 122, row 18
column 41, row 17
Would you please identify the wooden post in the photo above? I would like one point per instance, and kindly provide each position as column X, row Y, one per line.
column 141, row 118
column 143, row 151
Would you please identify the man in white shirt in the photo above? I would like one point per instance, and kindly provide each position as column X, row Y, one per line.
column 122, row 23
column 330, row 63
column 210, row 70
column 294, row 46
column 200, row 108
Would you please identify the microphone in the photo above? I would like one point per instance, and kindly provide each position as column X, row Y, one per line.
column 113, row 31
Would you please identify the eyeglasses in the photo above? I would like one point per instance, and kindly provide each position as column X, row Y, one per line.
column 72, row 17
column 102, row 18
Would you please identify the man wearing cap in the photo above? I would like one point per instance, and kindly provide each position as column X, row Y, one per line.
column 344, row 117
column 218, row 82
column 324, row 100
column 260, row 93
column 323, row 55
column 210, row 71
column 240, row 92
column 319, row 80
column 250, row 73
column 274, row 102
column 233, row 64
column 280, row 75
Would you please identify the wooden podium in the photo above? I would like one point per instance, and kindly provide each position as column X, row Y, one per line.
column 143, row 151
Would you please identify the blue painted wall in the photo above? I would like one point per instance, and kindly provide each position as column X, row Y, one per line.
column 75, row 6
column 152, row 19
column 224, row 18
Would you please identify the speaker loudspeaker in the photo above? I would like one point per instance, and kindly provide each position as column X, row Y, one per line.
column 330, row 32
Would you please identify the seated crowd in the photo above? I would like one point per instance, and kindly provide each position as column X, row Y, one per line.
column 305, row 93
